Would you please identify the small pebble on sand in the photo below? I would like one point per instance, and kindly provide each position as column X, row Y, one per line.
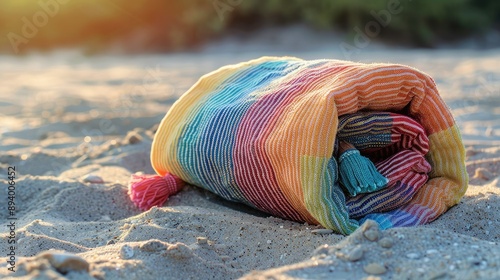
column 371, row 234
column 355, row 254
column 413, row 256
column 386, row 242
column 201, row 240
column 370, row 225
column 374, row 268
column 126, row 252
column 371, row 277
column 431, row 251
column 93, row 179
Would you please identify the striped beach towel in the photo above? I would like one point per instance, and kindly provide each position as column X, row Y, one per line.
column 266, row 133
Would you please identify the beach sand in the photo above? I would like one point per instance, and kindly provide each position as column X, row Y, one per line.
column 75, row 128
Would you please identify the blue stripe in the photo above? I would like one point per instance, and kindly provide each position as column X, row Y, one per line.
column 206, row 144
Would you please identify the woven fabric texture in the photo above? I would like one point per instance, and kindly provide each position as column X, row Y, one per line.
column 263, row 133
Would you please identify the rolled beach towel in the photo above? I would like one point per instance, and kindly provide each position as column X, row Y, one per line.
column 268, row 132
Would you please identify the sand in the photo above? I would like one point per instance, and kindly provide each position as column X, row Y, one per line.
column 76, row 128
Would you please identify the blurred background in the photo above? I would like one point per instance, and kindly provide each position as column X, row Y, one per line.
column 91, row 69
column 153, row 26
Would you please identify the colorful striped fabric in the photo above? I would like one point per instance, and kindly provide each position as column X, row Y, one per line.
column 397, row 145
column 263, row 133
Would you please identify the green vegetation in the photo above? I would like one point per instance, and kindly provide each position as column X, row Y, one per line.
column 419, row 22
column 163, row 25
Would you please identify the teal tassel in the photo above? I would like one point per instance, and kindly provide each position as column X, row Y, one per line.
column 358, row 174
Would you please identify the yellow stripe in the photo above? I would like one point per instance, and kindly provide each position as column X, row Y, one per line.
column 447, row 156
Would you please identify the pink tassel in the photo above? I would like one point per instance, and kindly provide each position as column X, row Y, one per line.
column 147, row 191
